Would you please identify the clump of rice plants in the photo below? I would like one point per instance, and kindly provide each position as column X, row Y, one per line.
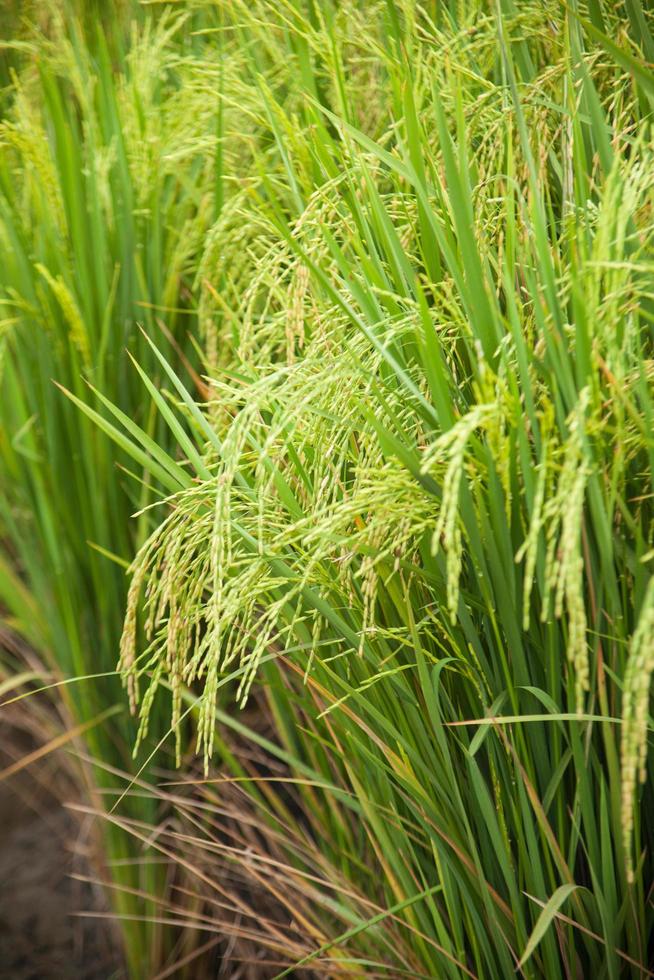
column 422, row 476
column 411, row 505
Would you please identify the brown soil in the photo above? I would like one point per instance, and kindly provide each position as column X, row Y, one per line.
column 43, row 846
column 41, row 936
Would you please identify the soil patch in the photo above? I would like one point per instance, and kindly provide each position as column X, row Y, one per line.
column 42, row 846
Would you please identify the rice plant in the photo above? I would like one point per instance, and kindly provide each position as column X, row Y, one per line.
column 415, row 506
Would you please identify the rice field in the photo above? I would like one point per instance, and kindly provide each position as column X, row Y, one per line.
column 326, row 478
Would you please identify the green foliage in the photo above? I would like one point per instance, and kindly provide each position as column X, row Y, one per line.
column 413, row 502
column 106, row 189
